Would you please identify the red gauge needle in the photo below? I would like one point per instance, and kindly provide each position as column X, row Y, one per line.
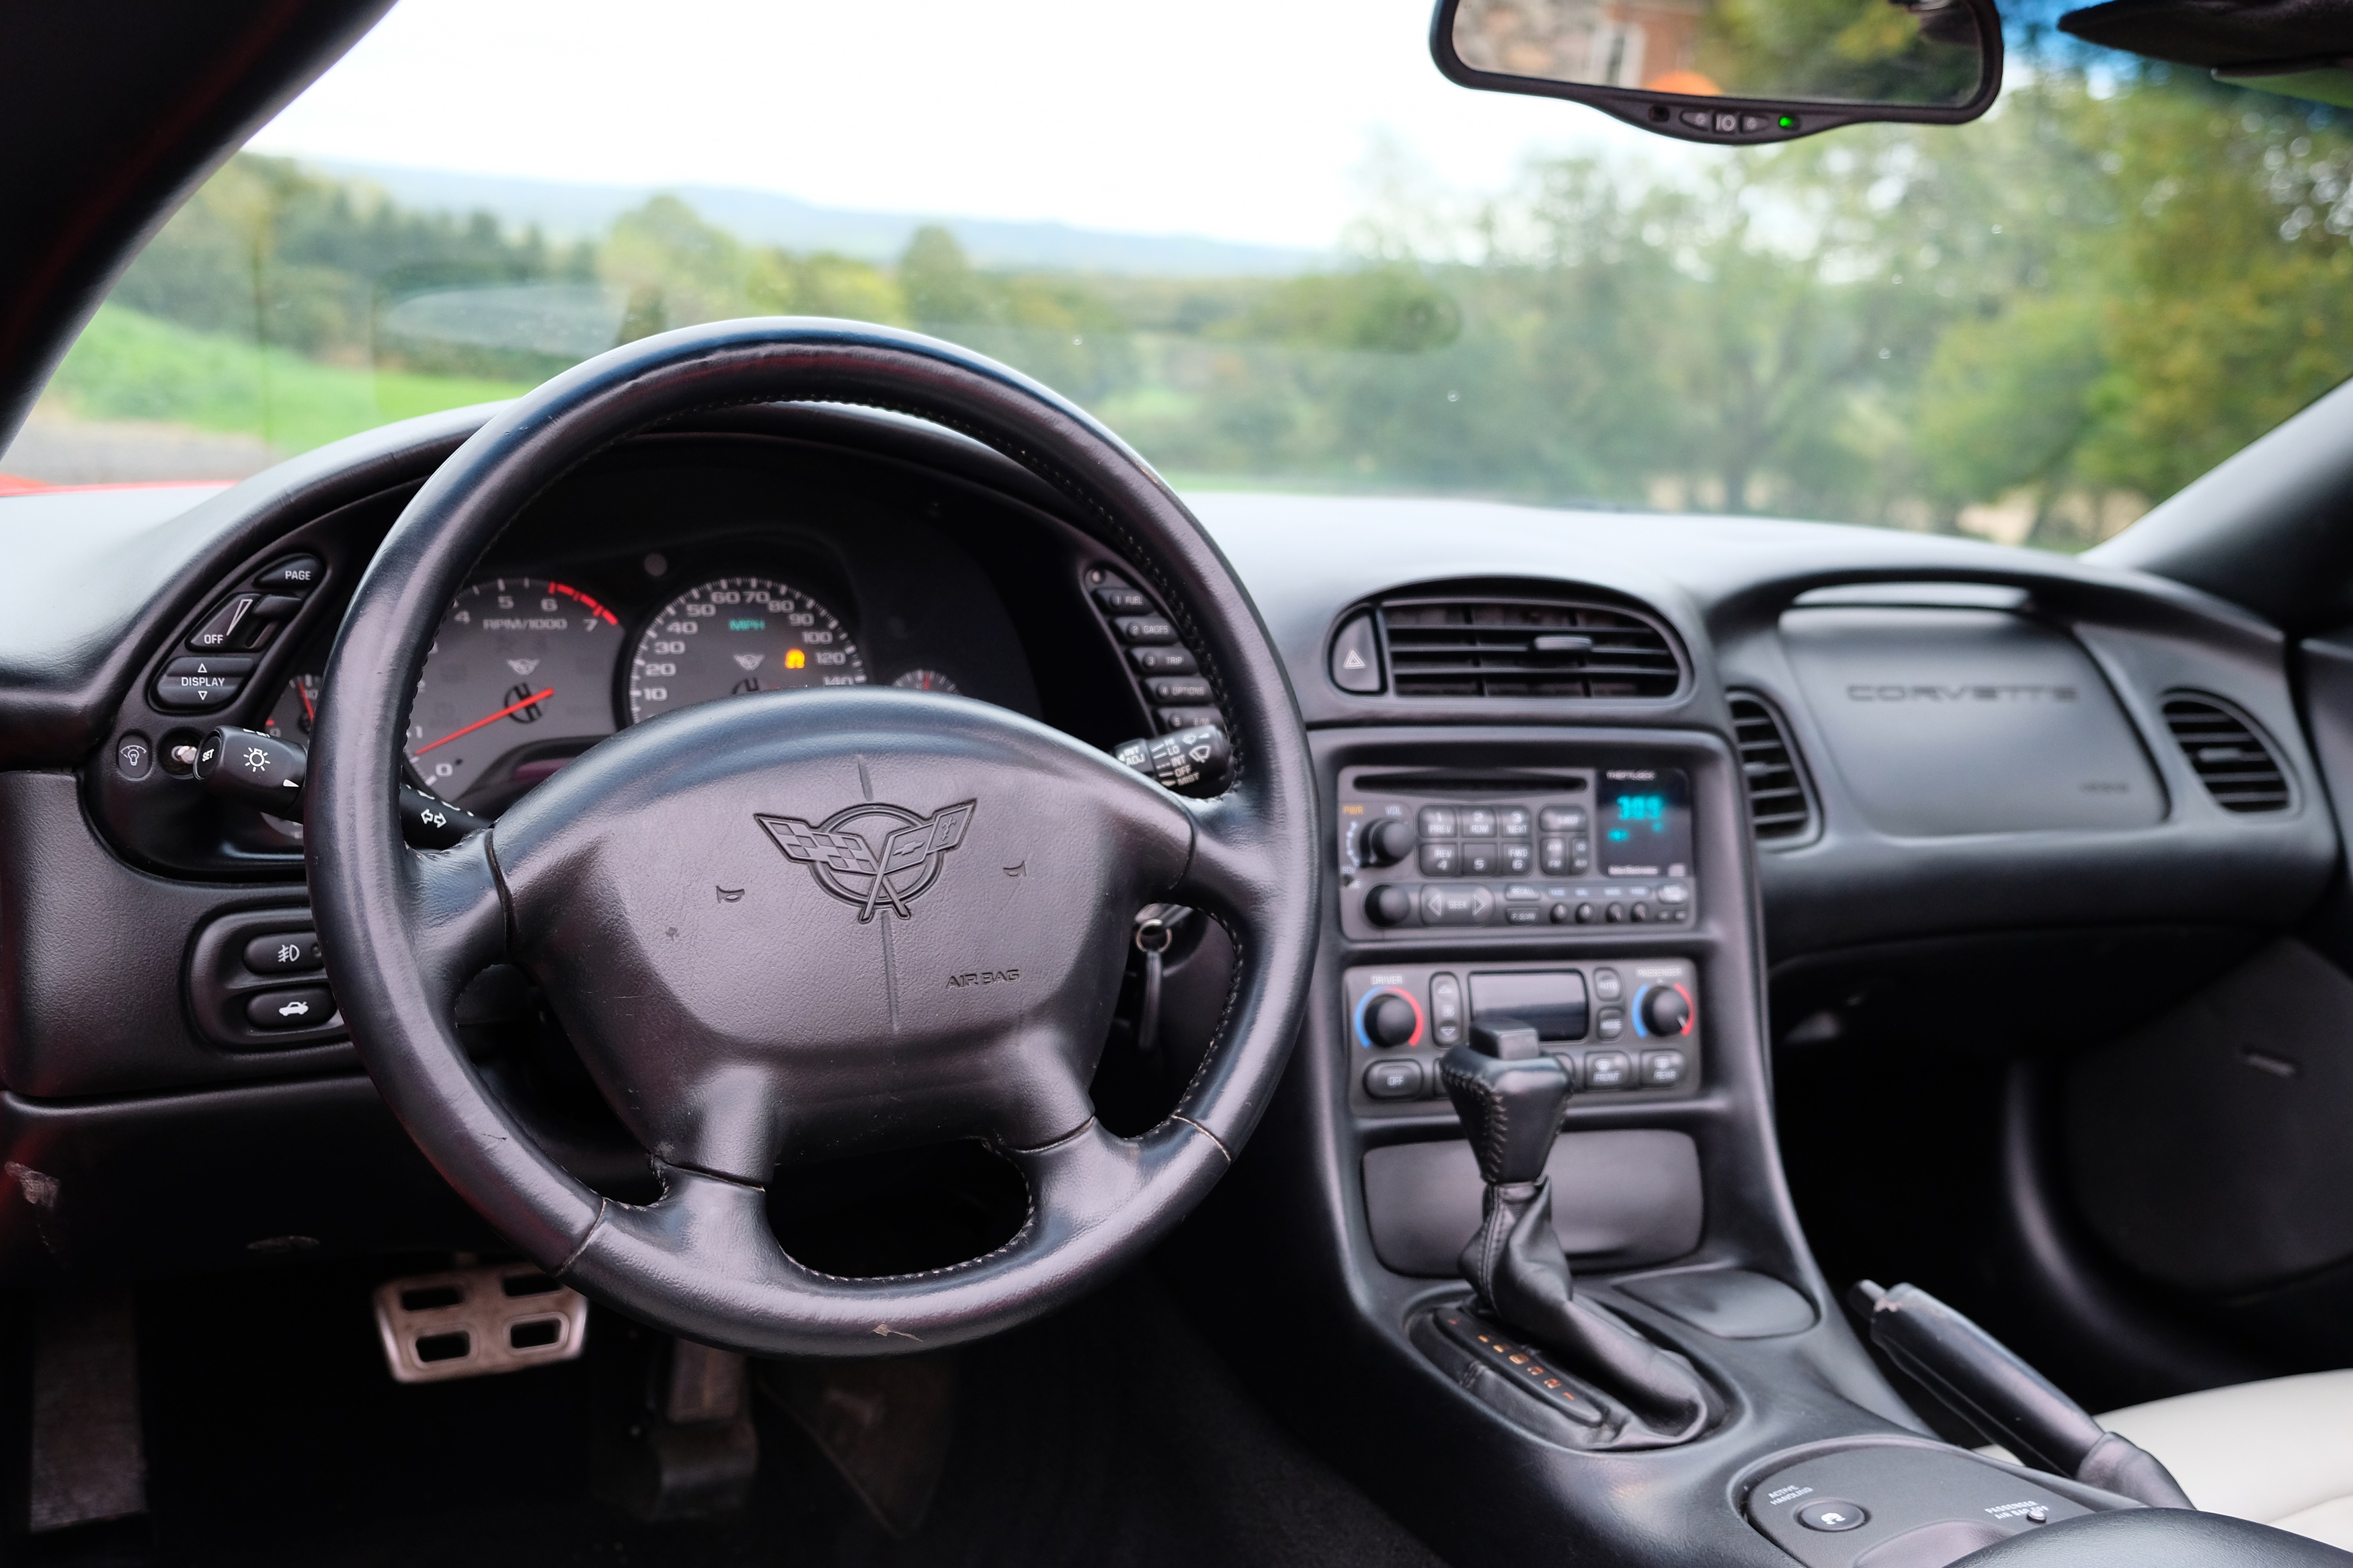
column 311, row 714
column 485, row 718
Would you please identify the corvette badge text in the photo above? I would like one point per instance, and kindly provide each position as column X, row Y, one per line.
column 889, row 864
column 1957, row 694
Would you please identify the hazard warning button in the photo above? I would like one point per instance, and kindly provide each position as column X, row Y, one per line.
column 1356, row 656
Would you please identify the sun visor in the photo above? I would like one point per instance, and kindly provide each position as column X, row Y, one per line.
column 2220, row 35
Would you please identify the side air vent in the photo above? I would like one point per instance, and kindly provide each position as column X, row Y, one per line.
column 1526, row 647
column 1781, row 809
column 2229, row 757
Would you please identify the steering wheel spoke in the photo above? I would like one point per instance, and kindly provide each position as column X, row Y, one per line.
column 456, row 920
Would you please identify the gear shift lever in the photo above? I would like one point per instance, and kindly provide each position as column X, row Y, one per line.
column 1510, row 1095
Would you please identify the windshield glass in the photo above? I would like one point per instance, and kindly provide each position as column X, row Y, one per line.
column 1270, row 246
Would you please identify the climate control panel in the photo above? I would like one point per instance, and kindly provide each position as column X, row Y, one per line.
column 1624, row 1026
column 1529, row 851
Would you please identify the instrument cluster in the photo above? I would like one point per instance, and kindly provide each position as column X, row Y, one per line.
column 527, row 671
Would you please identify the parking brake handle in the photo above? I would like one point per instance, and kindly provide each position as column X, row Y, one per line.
column 1984, row 1382
column 267, row 770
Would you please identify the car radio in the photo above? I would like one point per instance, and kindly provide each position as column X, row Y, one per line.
column 1529, row 850
column 1621, row 1027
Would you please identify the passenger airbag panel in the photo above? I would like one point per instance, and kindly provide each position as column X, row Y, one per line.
column 1952, row 722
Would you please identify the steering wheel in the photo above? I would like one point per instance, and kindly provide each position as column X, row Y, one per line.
column 757, row 918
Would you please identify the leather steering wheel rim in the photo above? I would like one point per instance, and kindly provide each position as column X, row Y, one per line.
column 561, row 884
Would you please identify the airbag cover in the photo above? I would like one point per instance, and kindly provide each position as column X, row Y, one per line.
column 1953, row 722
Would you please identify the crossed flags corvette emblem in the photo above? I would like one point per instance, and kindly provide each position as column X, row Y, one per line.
column 848, row 864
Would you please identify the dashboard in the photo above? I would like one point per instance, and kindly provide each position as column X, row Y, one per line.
column 1652, row 782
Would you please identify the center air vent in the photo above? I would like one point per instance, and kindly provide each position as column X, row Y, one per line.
column 1780, row 811
column 2229, row 755
column 1526, row 647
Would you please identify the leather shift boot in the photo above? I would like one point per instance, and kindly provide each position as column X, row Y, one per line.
column 1517, row 1265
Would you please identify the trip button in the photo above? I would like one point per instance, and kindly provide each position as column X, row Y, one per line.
column 305, row 1007
column 283, row 952
column 1162, row 659
column 210, row 681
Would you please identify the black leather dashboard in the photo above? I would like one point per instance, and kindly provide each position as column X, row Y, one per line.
column 2043, row 882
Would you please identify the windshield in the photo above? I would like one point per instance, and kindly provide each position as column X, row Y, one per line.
column 1271, row 246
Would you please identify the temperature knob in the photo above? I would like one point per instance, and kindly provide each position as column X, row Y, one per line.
column 1664, row 1010
column 1389, row 1018
column 1385, row 841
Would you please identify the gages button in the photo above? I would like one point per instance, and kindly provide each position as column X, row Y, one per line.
column 305, row 1007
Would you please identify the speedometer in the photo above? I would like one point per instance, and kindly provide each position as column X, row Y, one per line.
column 518, row 663
column 734, row 636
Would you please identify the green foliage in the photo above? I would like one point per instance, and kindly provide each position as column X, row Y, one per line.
column 269, row 252
column 128, row 365
column 1833, row 50
column 2074, row 305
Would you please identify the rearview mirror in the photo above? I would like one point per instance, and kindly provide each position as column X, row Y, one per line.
column 1731, row 71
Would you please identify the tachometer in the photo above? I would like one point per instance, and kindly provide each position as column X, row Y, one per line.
column 734, row 636
column 518, row 663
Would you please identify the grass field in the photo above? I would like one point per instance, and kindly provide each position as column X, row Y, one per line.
column 129, row 366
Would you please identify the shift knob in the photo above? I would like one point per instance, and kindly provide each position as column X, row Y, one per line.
column 1509, row 1095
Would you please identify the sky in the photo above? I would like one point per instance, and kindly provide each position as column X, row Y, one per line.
column 1242, row 119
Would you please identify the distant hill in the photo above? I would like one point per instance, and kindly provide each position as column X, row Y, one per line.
column 566, row 211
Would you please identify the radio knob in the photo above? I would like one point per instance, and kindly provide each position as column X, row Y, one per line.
column 1391, row 1020
column 1664, row 1011
column 1388, row 905
column 1385, row 841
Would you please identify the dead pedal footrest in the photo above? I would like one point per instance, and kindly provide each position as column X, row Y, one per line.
column 473, row 1322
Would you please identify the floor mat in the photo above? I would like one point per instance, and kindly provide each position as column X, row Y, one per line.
column 1109, row 1436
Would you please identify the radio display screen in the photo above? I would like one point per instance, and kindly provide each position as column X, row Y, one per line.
column 1643, row 819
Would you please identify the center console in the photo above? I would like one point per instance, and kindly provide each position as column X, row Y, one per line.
column 1580, row 899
